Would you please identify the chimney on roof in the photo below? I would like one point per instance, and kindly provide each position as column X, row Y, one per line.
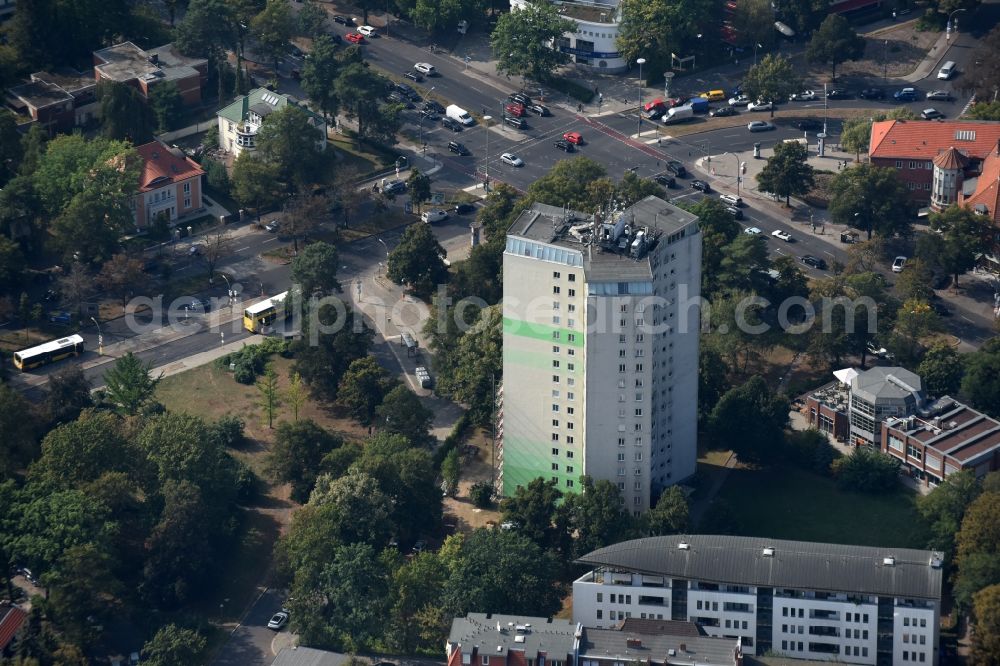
column 633, row 642
column 683, row 647
column 154, row 59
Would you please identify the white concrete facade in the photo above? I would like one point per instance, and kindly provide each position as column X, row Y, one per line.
column 594, row 43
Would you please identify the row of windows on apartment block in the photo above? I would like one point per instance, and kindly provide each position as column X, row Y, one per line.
column 485, row 661
column 163, row 195
column 910, row 655
column 846, row 650
column 856, row 634
column 916, row 165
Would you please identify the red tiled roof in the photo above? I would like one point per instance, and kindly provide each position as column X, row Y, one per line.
column 10, row 623
column 987, row 187
column 920, row 139
column 160, row 166
column 951, row 159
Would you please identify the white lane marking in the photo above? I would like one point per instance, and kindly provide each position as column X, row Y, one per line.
column 967, row 319
column 829, row 253
column 243, row 248
column 270, row 240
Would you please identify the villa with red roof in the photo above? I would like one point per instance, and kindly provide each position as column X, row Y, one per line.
column 11, row 620
column 169, row 184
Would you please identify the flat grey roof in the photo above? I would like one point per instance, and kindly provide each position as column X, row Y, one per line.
column 303, row 656
column 886, row 383
column 40, row 94
column 126, row 61
column 551, row 635
column 613, row 644
column 800, row 565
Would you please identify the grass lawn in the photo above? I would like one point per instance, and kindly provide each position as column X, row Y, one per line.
column 789, row 503
column 375, row 224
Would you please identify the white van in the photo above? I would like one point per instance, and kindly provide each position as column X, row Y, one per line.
column 947, row 71
column 458, row 113
column 731, row 199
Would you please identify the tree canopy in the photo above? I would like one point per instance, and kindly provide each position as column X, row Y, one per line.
column 873, row 199
column 522, row 41
column 418, row 261
column 787, row 172
column 835, row 42
column 750, row 419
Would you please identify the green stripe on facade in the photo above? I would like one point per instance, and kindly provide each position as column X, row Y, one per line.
column 542, row 332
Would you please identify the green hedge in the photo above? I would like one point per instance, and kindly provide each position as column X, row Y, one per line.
column 573, row 89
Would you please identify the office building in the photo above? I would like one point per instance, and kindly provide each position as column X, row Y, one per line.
column 600, row 349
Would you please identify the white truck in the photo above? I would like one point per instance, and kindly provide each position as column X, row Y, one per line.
column 678, row 114
column 459, row 114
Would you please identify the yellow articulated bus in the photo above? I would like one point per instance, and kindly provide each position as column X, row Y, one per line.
column 261, row 315
column 56, row 350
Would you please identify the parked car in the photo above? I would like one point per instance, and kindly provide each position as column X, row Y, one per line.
column 564, row 145
column 676, row 168
column 429, row 116
column 654, row 111
column 872, row 93
column 723, row 111
column 804, row 96
column 838, row 93
column 451, row 124
column 515, row 109
column 931, row 114
column 433, row 216
column 540, row 109
column 940, row 95
column 278, row 620
column 809, row 125
column 739, row 100
column 368, row 31
column 395, row 187
column 355, row 38
column 343, row 20
column 878, row 351
column 431, row 105
column 413, row 76
column 574, row 138
column 520, row 98
column 898, row 264
column 464, row 208
column 701, row 185
column 815, row 262
column 782, row 235
column 272, row 226
column 407, row 91
column 397, row 97
column 905, row 95
column 458, row 148
column 425, row 68
column 760, row 126
column 665, row 179
column 512, row 160
column 760, row 105
column 515, row 122
column 752, row 231
column 737, row 213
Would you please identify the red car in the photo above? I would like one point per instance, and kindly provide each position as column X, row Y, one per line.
column 515, row 109
column 355, row 38
column 574, row 138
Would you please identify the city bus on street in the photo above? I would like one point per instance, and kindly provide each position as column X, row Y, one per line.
column 52, row 351
column 261, row 315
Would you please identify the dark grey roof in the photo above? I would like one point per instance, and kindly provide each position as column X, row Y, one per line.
column 262, row 110
column 614, row 644
column 794, row 564
column 303, row 656
column 553, row 636
column 887, row 383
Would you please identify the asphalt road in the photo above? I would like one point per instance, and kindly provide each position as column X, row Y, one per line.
column 250, row 642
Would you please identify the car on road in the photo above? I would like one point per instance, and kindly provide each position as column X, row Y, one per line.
column 343, row 20
column 564, row 145
column 782, row 235
column 665, row 179
column 815, row 262
column 272, row 226
column 654, row 111
column 432, row 216
column 515, row 109
column 413, row 76
column 752, row 231
column 940, row 95
column 760, row 105
column 60, row 317
column 804, row 96
column 355, row 38
column 540, row 109
column 760, row 126
column 395, row 187
column 425, row 68
column 512, row 160
column 940, row 309
column 515, row 122
column 872, row 93
column 838, row 93
column 458, row 148
column 898, row 264
column 676, row 168
column 739, row 100
column 519, row 98
column 737, row 213
column 573, row 137
column 451, row 123
column 878, row 351
column 701, row 185
column 431, row 105
column 905, row 95
column 464, row 208
column 809, row 125
column 931, row 114
column 196, row 305
column 723, row 111
column 278, row 620
column 368, row 31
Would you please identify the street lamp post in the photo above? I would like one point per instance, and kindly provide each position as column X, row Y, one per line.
column 756, row 45
column 641, row 62
column 486, row 162
column 885, row 61
column 739, row 170
column 229, row 290
column 100, row 337
column 952, row 24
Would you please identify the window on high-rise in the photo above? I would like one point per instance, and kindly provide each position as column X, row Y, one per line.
column 555, row 290
column 572, row 292
column 555, row 275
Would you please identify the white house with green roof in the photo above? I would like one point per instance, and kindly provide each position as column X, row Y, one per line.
column 240, row 121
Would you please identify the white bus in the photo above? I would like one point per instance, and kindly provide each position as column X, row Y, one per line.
column 49, row 352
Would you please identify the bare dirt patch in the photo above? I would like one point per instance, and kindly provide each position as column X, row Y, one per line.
column 476, row 467
column 894, row 52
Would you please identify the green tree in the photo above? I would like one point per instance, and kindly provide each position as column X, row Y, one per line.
column 272, row 28
column 855, row 136
column 866, row 470
column 787, row 172
column 360, row 91
column 981, row 382
column 319, row 75
column 753, row 22
column 362, row 389
column 255, row 182
column 595, row 517
column 751, row 420
column 986, row 635
column 915, row 320
column 521, row 41
column 129, row 384
column 11, row 150
column 451, row 470
column 632, row 189
column 873, row 199
column 941, row 370
column 418, row 261
column 270, row 394
column 835, row 42
column 773, row 79
column 168, row 106
column 322, row 358
column 944, row 507
column 712, row 382
column 290, row 141
column 718, row 229
column 295, row 395
column 671, row 515
column 173, row 645
column 416, row 587
column 315, row 269
column 566, row 184
column 18, row 445
column 124, row 113
column 984, row 111
column 418, row 186
column 120, row 275
column 67, row 394
column 534, row 511
column 962, row 234
column 11, row 264
column 656, row 29
column 297, row 454
column 79, row 591
column 475, row 365
column 915, row 281
column 402, row 413
column 311, row 20
column 79, row 452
